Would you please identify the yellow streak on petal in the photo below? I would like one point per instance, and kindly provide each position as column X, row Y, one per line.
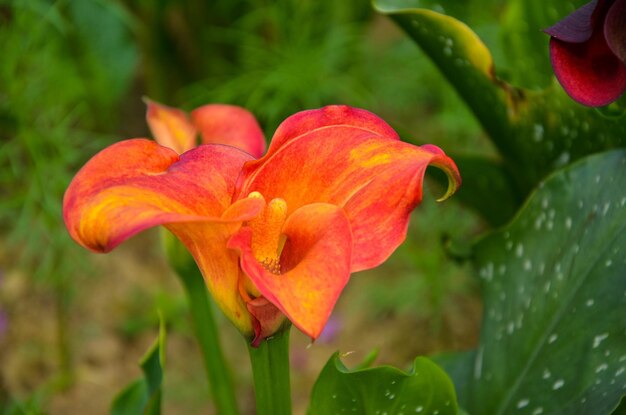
column 370, row 155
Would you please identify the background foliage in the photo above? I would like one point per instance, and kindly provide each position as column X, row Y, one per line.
column 71, row 76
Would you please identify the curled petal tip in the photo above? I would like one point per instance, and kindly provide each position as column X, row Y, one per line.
column 448, row 166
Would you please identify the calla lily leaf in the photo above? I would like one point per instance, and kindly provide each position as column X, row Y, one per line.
column 553, row 338
column 143, row 397
column 425, row 389
column 535, row 132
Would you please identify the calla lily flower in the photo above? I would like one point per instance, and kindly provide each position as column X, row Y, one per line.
column 216, row 123
column 588, row 52
column 276, row 237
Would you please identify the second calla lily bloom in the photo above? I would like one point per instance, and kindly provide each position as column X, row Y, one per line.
column 275, row 237
column 588, row 52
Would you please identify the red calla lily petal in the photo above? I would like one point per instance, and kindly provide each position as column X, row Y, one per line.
column 589, row 72
column 170, row 126
column 136, row 184
column 376, row 178
column 268, row 318
column 229, row 124
column 308, row 121
column 315, row 265
column 615, row 29
column 576, row 27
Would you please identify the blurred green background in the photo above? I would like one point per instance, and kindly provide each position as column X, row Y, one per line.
column 72, row 74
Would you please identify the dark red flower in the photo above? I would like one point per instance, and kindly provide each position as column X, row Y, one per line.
column 588, row 52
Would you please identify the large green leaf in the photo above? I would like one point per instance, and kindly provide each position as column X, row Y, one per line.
column 143, row 396
column 536, row 132
column 426, row 389
column 554, row 332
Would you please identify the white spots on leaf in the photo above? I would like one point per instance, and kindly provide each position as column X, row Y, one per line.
column 528, row 265
column 552, row 338
column 608, row 263
column 589, row 302
column 597, row 178
column 563, row 159
column 568, row 222
column 522, row 403
column 605, row 208
column 599, row 339
column 620, row 371
column 486, row 273
column 546, row 287
column 546, row 374
column 419, row 409
column 538, row 411
column 478, row 364
column 538, row 132
column 558, row 384
column 602, row 367
column 447, row 50
column 510, row 327
column 519, row 250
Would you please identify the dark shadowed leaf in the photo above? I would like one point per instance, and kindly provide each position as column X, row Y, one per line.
column 143, row 396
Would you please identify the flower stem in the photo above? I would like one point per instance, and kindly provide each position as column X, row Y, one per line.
column 205, row 327
column 208, row 337
column 270, row 369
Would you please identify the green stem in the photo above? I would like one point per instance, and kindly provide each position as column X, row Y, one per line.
column 208, row 337
column 270, row 369
column 204, row 324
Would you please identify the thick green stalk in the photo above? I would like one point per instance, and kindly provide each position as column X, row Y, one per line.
column 205, row 327
column 270, row 369
column 208, row 337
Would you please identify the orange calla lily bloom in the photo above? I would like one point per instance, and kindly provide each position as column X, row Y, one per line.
column 274, row 237
column 216, row 123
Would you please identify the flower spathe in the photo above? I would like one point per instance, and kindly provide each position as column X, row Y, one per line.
column 274, row 237
column 588, row 52
column 215, row 123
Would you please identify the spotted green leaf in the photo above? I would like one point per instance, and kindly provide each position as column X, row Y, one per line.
column 425, row 389
column 143, row 396
column 535, row 132
column 553, row 338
